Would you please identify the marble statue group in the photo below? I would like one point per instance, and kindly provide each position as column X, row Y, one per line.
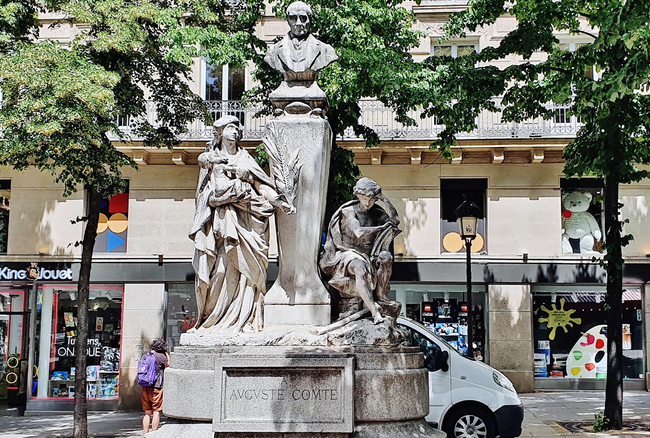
column 319, row 353
column 235, row 199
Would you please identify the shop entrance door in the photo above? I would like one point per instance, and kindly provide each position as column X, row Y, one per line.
column 13, row 354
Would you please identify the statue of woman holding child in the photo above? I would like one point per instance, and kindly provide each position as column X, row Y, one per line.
column 234, row 200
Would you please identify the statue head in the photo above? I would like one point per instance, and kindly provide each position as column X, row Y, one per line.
column 299, row 17
column 367, row 191
column 228, row 127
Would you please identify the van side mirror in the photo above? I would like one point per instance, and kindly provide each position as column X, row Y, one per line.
column 440, row 361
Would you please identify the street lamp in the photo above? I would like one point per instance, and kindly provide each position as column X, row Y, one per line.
column 468, row 214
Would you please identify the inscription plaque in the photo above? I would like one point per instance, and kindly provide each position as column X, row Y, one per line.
column 269, row 394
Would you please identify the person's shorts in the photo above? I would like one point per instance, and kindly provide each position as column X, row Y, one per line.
column 152, row 398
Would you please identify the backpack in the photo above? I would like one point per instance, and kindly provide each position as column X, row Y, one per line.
column 147, row 370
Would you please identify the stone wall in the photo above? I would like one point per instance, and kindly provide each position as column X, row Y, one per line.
column 143, row 312
column 510, row 333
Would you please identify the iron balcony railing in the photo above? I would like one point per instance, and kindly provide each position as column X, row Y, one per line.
column 375, row 115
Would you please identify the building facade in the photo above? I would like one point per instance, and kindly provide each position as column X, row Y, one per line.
column 538, row 297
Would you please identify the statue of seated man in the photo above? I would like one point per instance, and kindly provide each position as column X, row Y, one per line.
column 357, row 253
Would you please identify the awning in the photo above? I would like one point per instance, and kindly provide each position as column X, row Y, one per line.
column 597, row 296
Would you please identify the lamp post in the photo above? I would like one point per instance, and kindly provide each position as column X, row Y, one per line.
column 468, row 214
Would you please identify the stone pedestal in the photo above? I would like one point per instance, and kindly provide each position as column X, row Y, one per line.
column 298, row 296
column 346, row 392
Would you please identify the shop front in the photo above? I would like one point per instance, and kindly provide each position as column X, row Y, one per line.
column 570, row 337
column 55, row 347
column 443, row 309
column 13, row 334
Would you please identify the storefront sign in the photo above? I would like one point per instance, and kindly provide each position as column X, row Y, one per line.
column 49, row 271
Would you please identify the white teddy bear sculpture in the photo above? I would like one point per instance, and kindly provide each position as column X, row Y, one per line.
column 578, row 224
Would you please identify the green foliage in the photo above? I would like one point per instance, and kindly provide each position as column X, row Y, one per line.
column 261, row 156
column 57, row 110
column 18, row 22
column 601, row 423
column 613, row 111
column 60, row 101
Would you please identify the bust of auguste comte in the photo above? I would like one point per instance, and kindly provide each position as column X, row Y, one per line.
column 299, row 56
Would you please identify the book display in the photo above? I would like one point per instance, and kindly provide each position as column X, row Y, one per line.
column 102, row 348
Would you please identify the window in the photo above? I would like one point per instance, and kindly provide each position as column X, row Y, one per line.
column 181, row 311
column 453, row 50
column 591, row 73
column 224, row 90
column 5, row 197
column 452, row 192
column 223, row 82
column 56, row 333
column 113, row 223
column 570, row 333
column 582, row 218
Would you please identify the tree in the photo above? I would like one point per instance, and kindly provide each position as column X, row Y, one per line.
column 59, row 103
column 613, row 140
column 372, row 39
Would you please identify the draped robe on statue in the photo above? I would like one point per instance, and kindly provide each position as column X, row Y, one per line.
column 230, row 246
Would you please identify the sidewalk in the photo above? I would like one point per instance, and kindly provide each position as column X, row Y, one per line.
column 543, row 409
column 100, row 424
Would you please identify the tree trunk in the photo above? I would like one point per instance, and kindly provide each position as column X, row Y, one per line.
column 83, row 292
column 613, row 227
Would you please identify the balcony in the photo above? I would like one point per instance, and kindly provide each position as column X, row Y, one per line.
column 375, row 115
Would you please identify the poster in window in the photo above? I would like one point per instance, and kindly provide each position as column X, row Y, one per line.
column 627, row 337
column 69, row 319
column 588, row 357
column 99, row 324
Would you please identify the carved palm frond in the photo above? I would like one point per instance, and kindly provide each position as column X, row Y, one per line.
column 285, row 166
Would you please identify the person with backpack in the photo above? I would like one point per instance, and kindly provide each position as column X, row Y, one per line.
column 151, row 371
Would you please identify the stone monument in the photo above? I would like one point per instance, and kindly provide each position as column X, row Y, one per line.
column 298, row 143
column 273, row 364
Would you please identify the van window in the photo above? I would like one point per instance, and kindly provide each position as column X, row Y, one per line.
column 428, row 348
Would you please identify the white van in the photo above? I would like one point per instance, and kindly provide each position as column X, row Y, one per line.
column 467, row 398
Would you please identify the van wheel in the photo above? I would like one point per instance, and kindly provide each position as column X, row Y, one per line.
column 470, row 423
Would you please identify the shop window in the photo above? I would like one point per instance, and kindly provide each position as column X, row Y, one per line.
column 113, row 223
column 5, row 197
column 181, row 311
column 443, row 310
column 582, row 218
column 13, row 365
column 55, row 342
column 452, row 194
column 570, row 334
